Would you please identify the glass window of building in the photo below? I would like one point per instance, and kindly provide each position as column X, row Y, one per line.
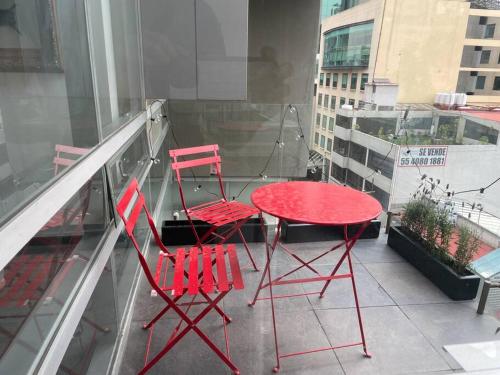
column 321, row 79
column 381, row 195
column 331, row 124
column 327, row 81
column 325, row 102
column 380, row 163
column 341, row 102
column 489, row 31
column 447, row 129
column 357, row 152
column 323, row 122
column 348, row 46
column 340, row 146
column 345, row 78
column 354, row 180
column 333, row 102
column 480, row 133
column 480, row 80
column 335, row 80
column 496, row 84
column 352, row 102
column 318, row 119
column 343, row 121
column 354, row 81
column 364, row 81
column 320, row 99
column 379, row 127
column 329, row 144
column 338, row 173
column 322, row 141
column 316, row 138
column 485, row 57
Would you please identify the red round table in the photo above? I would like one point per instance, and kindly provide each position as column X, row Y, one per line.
column 320, row 204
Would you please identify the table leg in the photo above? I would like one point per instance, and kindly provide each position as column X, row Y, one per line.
column 349, row 243
column 267, row 269
column 268, row 262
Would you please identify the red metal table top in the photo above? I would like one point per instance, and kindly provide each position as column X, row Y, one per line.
column 316, row 203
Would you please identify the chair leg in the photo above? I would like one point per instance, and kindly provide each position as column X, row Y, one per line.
column 248, row 250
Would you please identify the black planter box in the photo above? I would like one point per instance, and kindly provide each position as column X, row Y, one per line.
column 456, row 287
column 296, row 232
column 179, row 232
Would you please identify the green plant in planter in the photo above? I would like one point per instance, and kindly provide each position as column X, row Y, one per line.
column 431, row 230
column 445, row 228
column 468, row 245
column 414, row 216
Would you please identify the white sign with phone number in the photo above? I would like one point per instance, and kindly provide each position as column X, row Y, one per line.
column 423, row 156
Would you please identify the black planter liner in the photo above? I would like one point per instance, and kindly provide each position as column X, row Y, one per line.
column 179, row 232
column 458, row 288
column 296, row 232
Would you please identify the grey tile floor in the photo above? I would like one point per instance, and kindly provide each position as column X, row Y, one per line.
column 407, row 321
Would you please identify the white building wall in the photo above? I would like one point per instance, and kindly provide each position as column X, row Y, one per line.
column 467, row 167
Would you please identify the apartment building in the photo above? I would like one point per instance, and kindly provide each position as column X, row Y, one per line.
column 388, row 152
column 409, row 51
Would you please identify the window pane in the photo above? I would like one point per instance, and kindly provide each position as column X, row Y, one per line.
column 345, row 77
column 351, row 102
column 338, row 173
column 489, row 31
column 340, row 146
column 329, row 144
column 325, row 103
column 46, row 97
column 485, row 57
column 376, row 126
column 323, row 123
column 481, row 133
column 341, row 102
column 322, row 144
column 333, row 102
column 382, row 163
column 39, row 280
column 357, row 152
column 343, row 121
column 354, row 81
column 348, row 46
column 335, row 80
column 316, row 138
column 318, row 118
column 320, row 99
column 91, row 347
column 496, row 83
column 364, row 80
column 331, row 124
column 327, row 82
column 480, row 82
column 354, row 180
column 321, row 79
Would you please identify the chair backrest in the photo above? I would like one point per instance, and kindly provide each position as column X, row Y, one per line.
column 194, row 159
column 65, row 161
column 130, row 214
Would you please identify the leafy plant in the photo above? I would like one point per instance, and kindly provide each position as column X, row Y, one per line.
column 431, row 230
column 468, row 245
column 445, row 227
column 414, row 216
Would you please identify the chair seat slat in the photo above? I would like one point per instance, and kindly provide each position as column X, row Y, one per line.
column 235, row 267
column 208, row 279
column 221, row 269
column 179, row 273
column 193, row 271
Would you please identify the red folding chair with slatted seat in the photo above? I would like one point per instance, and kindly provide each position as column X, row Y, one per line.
column 218, row 213
column 184, row 266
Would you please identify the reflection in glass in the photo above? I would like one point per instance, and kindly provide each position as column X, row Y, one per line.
column 36, row 284
column 348, row 46
column 46, row 96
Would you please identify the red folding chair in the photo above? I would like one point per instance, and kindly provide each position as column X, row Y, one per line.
column 218, row 213
column 184, row 264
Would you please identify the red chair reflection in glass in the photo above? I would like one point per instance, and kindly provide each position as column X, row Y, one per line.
column 183, row 264
column 219, row 213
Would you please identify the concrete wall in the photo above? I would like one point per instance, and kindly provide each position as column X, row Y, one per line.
column 421, row 46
